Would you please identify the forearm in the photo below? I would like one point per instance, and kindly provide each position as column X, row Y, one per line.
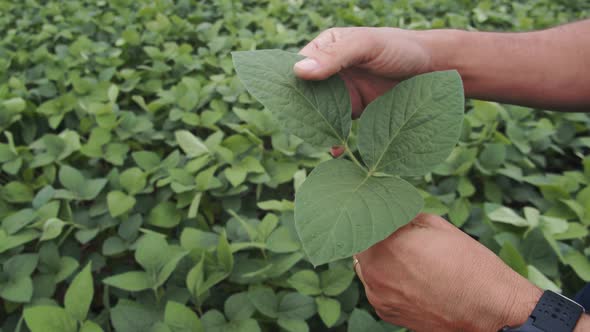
column 547, row 69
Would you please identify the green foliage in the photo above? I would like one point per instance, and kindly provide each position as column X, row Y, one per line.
column 342, row 209
column 108, row 103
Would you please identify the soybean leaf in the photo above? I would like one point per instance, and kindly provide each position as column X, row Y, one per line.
column 305, row 282
column 264, row 300
column 293, row 325
column 296, row 306
column 413, row 127
column 49, row 319
column 361, row 321
column 328, row 309
column 119, row 203
column 319, row 112
column 503, row 214
column 133, row 317
column 190, row 144
column 336, row 280
column 90, row 326
column 133, row 281
column 238, row 307
column 17, row 290
column 165, row 215
column 340, row 210
column 181, row 319
column 52, row 228
column 151, row 252
column 79, row 295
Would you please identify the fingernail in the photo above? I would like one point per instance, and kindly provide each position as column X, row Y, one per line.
column 308, row 64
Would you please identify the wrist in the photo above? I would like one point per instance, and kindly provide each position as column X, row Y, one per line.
column 443, row 47
column 508, row 301
column 583, row 324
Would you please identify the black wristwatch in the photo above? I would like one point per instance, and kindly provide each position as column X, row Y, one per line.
column 553, row 313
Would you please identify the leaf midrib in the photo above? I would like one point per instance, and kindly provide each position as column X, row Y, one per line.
column 376, row 165
column 288, row 84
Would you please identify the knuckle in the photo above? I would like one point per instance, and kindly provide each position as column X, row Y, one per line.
column 327, row 41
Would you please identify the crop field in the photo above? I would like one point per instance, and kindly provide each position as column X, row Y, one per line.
column 142, row 188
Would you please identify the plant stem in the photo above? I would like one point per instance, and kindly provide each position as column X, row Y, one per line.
column 353, row 157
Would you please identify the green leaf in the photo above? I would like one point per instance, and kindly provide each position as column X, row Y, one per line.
column 175, row 254
column 574, row 231
column 235, row 175
column 336, row 280
column 293, row 325
column 340, row 210
column 133, row 180
column 71, row 179
column 503, row 214
column 16, row 192
column 195, row 280
column 536, row 277
column 459, row 211
column 17, row 290
column 296, row 306
column 49, row 319
column 264, row 300
column 537, row 251
column 413, row 127
column 51, row 229
column 305, row 282
column 79, row 295
column 11, row 241
column 165, row 215
column 151, row 252
column 190, row 144
column 224, row 254
column 493, row 156
column 247, row 325
column 213, row 321
column 319, row 112
column 119, row 203
column 512, row 258
column 147, row 160
column 133, row 317
column 362, row 321
column 22, row 265
column 282, row 241
column 194, row 207
column 181, row 319
column 238, row 307
column 14, row 105
column 580, row 264
column 275, row 205
column 133, row 281
column 90, row 326
column 92, row 188
column 328, row 309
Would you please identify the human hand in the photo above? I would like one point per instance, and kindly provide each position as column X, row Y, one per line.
column 430, row 276
column 369, row 60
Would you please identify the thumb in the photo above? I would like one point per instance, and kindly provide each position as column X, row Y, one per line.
column 333, row 50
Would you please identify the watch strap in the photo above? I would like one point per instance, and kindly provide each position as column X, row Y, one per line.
column 553, row 313
column 556, row 313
